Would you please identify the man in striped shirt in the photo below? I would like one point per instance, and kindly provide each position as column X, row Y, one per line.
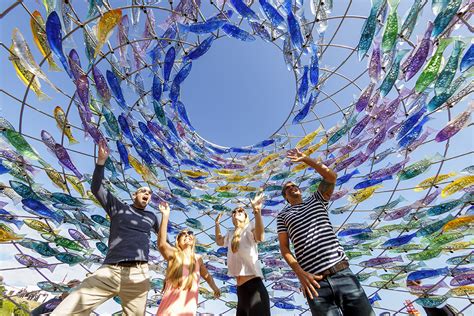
column 320, row 264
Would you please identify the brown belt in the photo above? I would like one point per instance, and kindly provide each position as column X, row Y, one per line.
column 129, row 263
column 341, row 265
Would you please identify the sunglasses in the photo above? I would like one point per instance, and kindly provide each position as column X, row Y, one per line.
column 240, row 210
column 145, row 191
column 187, row 233
column 290, row 186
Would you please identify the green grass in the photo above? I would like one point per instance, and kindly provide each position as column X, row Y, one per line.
column 9, row 309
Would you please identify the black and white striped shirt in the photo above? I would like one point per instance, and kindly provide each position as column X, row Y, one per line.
column 307, row 224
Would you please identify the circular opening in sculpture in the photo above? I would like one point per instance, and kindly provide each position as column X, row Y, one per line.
column 236, row 87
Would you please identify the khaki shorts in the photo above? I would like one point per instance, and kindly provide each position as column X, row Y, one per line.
column 131, row 284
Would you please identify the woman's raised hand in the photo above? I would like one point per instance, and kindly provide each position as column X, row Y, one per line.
column 257, row 202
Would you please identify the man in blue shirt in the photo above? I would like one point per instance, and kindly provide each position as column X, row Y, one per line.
column 125, row 269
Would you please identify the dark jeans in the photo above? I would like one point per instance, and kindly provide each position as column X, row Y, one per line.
column 340, row 294
column 253, row 299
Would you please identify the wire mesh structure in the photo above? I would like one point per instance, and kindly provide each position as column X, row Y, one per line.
column 120, row 80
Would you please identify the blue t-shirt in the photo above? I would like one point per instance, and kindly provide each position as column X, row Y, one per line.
column 130, row 227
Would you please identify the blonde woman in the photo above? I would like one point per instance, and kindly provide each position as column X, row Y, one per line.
column 242, row 259
column 185, row 268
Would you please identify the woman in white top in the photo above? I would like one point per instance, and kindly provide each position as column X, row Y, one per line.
column 242, row 259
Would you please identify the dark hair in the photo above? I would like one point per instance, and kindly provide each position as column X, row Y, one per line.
column 283, row 190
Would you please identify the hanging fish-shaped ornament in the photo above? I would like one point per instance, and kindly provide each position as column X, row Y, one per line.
column 308, row 138
column 288, row 53
column 20, row 144
column 363, row 194
column 411, row 120
column 410, row 21
column 271, row 13
column 105, row 26
column 114, row 84
column 64, row 8
column 364, row 98
column 55, row 41
column 457, row 185
column 60, row 152
column 56, row 178
column 303, row 88
column 199, row 50
column 244, row 10
column 459, row 223
column 390, row 34
column 262, row 31
column 413, row 135
column 443, row 98
column 236, row 32
column 368, row 30
column 101, row 85
column 455, row 125
column 76, row 184
column 90, row 43
column 122, row 35
column 431, row 70
column 385, row 115
column 438, row 5
column 168, row 66
column 23, row 52
column 446, row 76
column 432, row 181
column 63, row 124
column 159, row 112
column 418, row 57
column 75, row 64
column 314, row 66
column 445, row 16
column 467, row 60
column 300, row 116
column 371, row 182
column 27, row 77
column 38, row 28
column 294, row 29
column 375, row 63
column 342, row 131
column 419, row 167
column 465, row 91
column 392, row 74
column 322, row 21
column 209, row 26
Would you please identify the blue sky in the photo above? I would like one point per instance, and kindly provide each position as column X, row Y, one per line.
column 237, row 94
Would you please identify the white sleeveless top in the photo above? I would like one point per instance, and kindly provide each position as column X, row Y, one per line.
column 245, row 260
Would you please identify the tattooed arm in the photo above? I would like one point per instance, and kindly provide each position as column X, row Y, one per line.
column 326, row 187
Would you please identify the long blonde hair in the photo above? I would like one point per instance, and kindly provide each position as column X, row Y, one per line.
column 235, row 243
column 174, row 273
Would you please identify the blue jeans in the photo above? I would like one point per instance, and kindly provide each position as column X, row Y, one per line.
column 340, row 294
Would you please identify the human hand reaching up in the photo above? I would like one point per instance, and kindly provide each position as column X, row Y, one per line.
column 102, row 153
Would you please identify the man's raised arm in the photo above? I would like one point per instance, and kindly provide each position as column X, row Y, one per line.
column 97, row 187
column 326, row 187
